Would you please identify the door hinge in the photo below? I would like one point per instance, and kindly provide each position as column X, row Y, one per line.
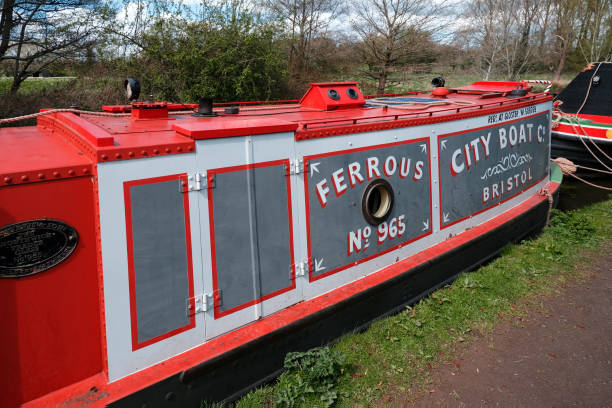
column 199, row 303
column 198, row 181
column 296, row 167
column 302, row 268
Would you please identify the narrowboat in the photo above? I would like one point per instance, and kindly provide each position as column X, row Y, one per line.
column 582, row 126
column 158, row 256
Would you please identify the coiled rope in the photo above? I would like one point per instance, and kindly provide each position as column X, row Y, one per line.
column 569, row 168
column 546, row 192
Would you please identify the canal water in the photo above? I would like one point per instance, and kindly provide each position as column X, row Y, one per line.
column 576, row 194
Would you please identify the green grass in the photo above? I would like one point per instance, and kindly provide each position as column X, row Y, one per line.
column 393, row 356
column 88, row 93
column 422, row 81
column 32, row 86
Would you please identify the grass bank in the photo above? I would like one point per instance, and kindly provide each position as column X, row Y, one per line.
column 33, row 86
column 88, row 93
column 105, row 87
column 394, row 355
column 422, row 81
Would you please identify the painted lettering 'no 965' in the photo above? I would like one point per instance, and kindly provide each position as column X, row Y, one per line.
column 358, row 241
column 345, row 178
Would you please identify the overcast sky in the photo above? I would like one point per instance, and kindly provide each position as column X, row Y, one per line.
column 450, row 21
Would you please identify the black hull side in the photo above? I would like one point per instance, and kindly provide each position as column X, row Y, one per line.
column 233, row 374
column 573, row 149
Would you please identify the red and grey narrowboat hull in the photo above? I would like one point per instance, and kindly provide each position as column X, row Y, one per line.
column 170, row 259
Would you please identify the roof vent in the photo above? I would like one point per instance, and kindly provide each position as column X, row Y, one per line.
column 205, row 108
column 333, row 95
column 149, row 110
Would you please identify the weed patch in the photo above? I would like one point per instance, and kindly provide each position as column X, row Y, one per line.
column 573, row 227
column 310, row 378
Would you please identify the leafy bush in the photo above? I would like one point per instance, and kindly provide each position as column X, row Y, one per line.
column 311, row 377
column 231, row 56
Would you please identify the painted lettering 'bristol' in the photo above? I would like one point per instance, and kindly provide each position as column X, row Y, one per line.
column 507, row 186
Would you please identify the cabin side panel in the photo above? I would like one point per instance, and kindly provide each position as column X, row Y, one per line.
column 334, row 169
column 348, row 190
column 484, row 167
column 50, row 329
column 151, row 261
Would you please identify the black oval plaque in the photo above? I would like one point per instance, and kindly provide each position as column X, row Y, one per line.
column 34, row 246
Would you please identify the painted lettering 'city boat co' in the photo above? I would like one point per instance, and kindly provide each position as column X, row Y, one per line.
column 155, row 257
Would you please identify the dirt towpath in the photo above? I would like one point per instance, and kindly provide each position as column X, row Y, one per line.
column 558, row 355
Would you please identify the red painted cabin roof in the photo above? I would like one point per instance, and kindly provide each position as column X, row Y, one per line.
column 64, row 141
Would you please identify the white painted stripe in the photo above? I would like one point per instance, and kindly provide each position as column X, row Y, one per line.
column 601, row 139
column 586, row 126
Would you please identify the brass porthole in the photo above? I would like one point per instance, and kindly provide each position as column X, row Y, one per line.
column 377, row 201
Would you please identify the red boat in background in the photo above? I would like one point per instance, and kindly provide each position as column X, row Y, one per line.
column 582, row 129
column 159, row 257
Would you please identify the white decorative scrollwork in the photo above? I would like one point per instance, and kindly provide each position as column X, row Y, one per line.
column 506, row 163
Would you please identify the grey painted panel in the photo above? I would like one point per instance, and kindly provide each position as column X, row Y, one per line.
column 273, row 234
column 251, row 232
column 232, row 239
column 160, row 258
column 338, row 230
column 481, row 168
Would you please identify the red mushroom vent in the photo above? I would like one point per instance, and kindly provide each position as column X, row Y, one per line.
column 333, row 95
column 149, row 110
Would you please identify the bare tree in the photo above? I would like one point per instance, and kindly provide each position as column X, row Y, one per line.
column 519, row 21
column 595, row 37
column 509, row 37
column 304, row 20
column 484, row 24
column 509, row 33
column 567, row 15
column 392, row 32
column 36, row 33
column 546, row 21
